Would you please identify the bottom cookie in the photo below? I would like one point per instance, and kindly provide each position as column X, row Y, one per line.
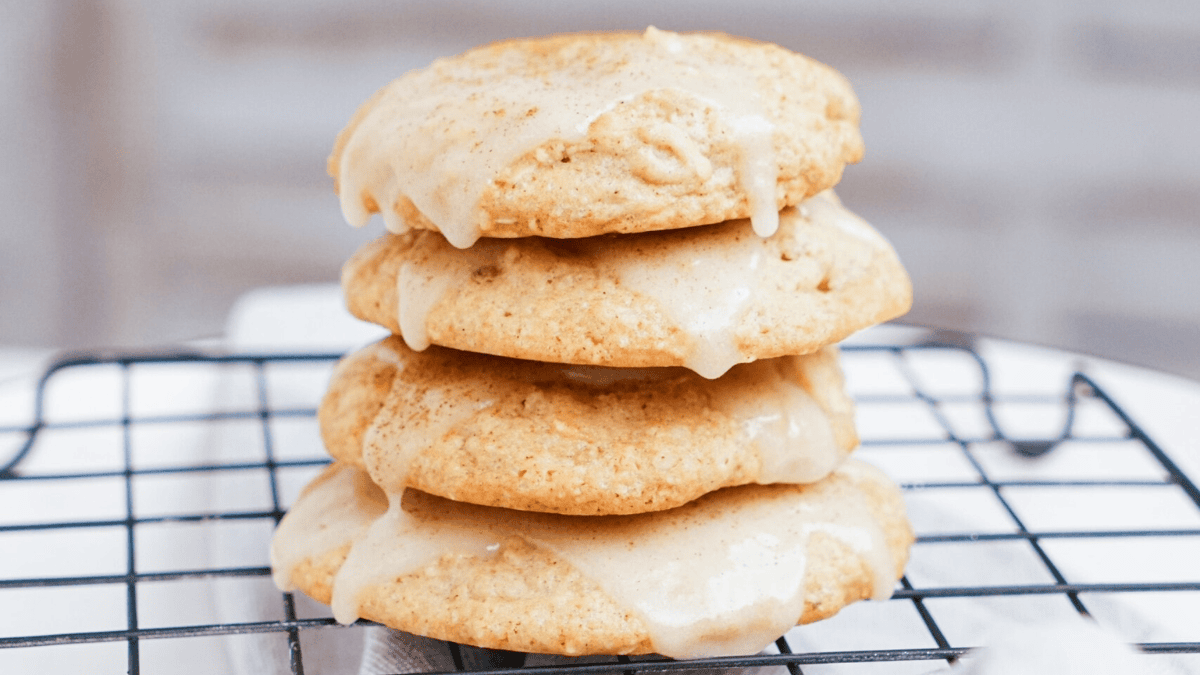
column 725, row 574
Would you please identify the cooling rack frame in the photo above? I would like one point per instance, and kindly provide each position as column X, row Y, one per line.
column 1079, row 388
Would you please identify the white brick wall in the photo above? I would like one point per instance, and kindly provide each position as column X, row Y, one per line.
column 1037, row 164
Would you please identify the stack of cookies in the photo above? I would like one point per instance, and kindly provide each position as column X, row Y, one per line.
column 610, row 418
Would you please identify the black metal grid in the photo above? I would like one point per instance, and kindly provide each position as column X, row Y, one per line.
column 958, row 446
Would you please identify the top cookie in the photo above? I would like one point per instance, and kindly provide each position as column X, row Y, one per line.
column 578, row 135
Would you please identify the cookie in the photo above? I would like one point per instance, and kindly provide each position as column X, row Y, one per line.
column 582, row 440
column 578, row 135
column 725, row 574
column 705, row 297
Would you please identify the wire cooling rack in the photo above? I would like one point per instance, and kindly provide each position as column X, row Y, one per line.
column 139, row 493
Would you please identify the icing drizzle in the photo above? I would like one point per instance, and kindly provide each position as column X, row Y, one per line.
column 423, row 140
column 705, row 284
column 722, row 575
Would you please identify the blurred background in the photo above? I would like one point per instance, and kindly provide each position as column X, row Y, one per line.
column 1035, row 162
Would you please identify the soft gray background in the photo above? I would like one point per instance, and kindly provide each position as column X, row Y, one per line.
column 1035, row 162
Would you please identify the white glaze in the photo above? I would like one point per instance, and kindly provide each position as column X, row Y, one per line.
column 397, row 544
column 391, row 441
column 792, row 433
column 826, row 208
column 704, row 284
column 325, row 517
column 443, row 155
column 422, row 282
column 723, row 575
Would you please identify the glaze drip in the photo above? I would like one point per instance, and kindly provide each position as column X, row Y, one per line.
column 705, row 285
column 722, row 575
column 412, row 144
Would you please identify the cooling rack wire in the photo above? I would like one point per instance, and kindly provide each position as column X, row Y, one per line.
column 140, row 491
